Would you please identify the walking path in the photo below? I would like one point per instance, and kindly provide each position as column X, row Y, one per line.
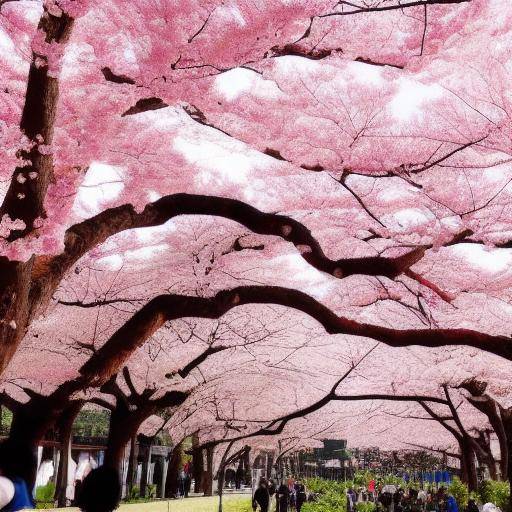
column 233, row 503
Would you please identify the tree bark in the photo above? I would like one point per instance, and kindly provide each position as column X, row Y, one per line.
column 197, row 464
column 25, row 197
column 65, row 428
column 208, row 473
column 173, row 469
column 468, row 467
column 506, row 415
column 124, row 425
column 221, row 474
column 247, row 465
column 132, row 464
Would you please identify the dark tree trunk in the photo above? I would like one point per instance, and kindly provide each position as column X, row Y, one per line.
column 65, row 427
column 197, row 464
column 221, row 474
column 24, row 199
column 208, row 473
column 173, row 469
column 124, row 425
column 132, row 464
column 467, row 464
column 15, row 306
column 247, row 465
column 506, row 415
column 270, row 463
column 31, row 421
column 20, row 297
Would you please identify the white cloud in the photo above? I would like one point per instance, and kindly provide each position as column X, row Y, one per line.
column 102, row 184
column 239, row 81
column 491, row 260
column 411, row 97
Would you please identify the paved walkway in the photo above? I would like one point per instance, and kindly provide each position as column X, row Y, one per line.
column 233, row 503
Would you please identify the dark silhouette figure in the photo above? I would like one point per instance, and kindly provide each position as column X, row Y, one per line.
column 300, row 495
column 187, row 483
column 282, row 498
column 261, row 497
column 239, row 476
column 17, row 463
column 100, row 491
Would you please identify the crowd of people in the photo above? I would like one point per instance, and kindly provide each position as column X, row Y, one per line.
column 289, row 496
column 390, row 498
column 395, row 499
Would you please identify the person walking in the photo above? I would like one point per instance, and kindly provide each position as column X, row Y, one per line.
column 187, row 483
column 261, row 497
column 282, row 498
column 239, row 476
column 300, row 495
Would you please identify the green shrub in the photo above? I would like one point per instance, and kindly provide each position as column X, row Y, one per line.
column 459, row 491
column 491, row 491
column 332, row 497
column 151, row 491
column 363, row 478
column 45, row 495
column 134, row 493
column 365, row 506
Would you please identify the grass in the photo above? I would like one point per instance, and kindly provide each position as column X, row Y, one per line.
column 231, row 504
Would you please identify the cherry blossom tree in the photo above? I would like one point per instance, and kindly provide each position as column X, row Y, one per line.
column 348, row 165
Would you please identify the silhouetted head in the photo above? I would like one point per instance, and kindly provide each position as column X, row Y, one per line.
column 17, row 460
column 100, row 491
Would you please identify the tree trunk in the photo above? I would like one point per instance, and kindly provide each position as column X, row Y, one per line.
column 124, row 425
column 132, row 464
column 65, row 426
column 506, row 415
column 247, row 465
column 468, row 467
column 222, row 473
column 31, row 421
column 197, row 464
column 19, row 296
column 145, row 466
column 15, row 282
column 270, row 464
column 25, row 197
column 208, row 473
column 173, row 470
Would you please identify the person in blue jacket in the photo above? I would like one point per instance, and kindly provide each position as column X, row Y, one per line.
column 16, row 464
column 451, row 504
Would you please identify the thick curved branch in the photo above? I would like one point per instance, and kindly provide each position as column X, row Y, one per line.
column 116, row 351
column 82, row 237
column 353, row 8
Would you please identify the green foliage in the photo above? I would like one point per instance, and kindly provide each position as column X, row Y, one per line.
column 332, row 496
column 366, row 506
column 331, row 502
column 363, row 478
column 151, row 491
column 491, row 491
column 134, row 493
column 92, row 423
column 45, row 495
column 5, row 420
column 322, row 486
column 459, row 491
